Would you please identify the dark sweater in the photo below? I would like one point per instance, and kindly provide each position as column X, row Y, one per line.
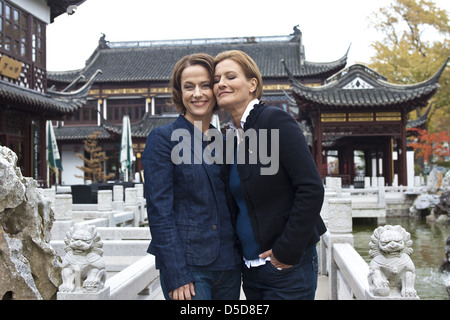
column 250, row 247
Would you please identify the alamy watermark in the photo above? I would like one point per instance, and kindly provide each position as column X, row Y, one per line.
column 253, row 146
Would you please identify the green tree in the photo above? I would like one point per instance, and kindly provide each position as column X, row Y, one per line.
column 415, row 45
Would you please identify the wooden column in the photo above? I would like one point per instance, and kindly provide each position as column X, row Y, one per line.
column 318, row 152
column 402, row 175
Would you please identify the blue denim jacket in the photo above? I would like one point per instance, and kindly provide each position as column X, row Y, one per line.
column 183, row 206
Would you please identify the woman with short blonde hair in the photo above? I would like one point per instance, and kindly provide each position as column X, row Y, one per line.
column 276, row 216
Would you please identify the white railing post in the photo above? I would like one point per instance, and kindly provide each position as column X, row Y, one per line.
column 104, row 200
column 131, row 204
column 322, row 248
column 141, row 201
column 62, row 208
column 118, row 198
column 339, row 231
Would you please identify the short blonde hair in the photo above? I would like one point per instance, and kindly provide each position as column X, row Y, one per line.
column 247, row 65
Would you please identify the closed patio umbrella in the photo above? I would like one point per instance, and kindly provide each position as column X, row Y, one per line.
column 53, row 157
column 126, row 149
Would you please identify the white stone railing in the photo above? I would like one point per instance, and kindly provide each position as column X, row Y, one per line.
column 348, row 273
column 139, row 279
column 110, row 211
column 351, row 273
column 375, row 200
column 132, row 271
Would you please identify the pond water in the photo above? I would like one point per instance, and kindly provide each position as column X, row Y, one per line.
column 428, row 244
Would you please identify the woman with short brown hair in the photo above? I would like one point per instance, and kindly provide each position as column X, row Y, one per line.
column 192, row 235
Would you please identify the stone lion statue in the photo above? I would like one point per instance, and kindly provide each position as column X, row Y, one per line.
column 391, row 271
column 83, row 267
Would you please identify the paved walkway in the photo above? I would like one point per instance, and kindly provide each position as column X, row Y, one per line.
column 321, row 293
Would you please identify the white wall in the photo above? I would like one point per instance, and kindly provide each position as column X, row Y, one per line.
column 69, row 161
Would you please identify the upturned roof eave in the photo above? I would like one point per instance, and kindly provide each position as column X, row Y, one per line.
column 410, row 93
column 38, row 101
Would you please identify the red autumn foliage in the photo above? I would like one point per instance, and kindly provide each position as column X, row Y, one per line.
column 428, row 144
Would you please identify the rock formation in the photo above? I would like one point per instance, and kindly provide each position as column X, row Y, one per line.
column 29, row 267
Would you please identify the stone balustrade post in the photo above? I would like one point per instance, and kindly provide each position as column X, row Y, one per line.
column 337, row 183
column 130, row 196
column 141, row 201
column 374, row 182
column 340, row 215
column 325, row 211
column 105, row 200
column 118, row 198
column 328, row 182
column 62, row 209
column 322, row 249
column 339, row 231
column 139, row 190
column 366, row 182
column 131, row 204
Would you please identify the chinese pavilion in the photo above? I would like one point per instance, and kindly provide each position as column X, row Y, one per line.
column 360, row 120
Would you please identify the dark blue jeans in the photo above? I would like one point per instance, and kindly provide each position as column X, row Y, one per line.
column 213, row 285
column 296, row 283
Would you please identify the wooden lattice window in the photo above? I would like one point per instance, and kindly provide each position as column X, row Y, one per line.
column 22, row 37
column 14, row 31
column 38, row 55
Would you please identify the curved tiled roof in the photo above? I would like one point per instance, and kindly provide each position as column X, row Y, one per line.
column 27, row 98
column 107, row 130
column 142, row 128
column 359, row 86
column 53, row 101
column 151, row 61
column 59, row 7
column 79, row 132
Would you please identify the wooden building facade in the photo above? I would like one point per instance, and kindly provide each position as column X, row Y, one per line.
column 25, row 102
column 360, row 120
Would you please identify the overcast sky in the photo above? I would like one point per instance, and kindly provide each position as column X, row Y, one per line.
column 328, row 26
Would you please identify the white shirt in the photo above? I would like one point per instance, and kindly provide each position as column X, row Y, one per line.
column 247, row 110
column 256, row 262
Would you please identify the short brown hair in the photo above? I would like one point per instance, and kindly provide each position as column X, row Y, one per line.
column 247, row 65
column 202, row 59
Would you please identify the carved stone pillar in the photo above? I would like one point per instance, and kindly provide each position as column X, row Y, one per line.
column 105, row 200
column 340, row 215
column 62, row 209
column 118, row 198
column 339, row 231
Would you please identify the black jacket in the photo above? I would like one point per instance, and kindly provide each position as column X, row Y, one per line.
column 284, row 207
